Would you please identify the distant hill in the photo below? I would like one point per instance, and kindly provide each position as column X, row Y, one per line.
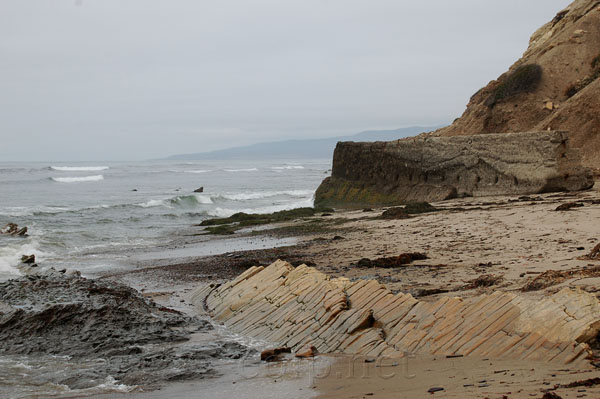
column 311, row 148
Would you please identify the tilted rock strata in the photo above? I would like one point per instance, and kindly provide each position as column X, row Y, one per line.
column 428, row 168
column 301, row 306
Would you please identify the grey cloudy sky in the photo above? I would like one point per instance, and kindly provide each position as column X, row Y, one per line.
column 137, row 79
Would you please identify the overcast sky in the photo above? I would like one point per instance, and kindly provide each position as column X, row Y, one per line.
column 138, row 79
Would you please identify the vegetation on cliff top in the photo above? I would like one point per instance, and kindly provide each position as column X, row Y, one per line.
column 524, row 79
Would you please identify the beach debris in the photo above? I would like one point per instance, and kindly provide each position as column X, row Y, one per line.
column 395, row 213
column 593, row 255
column 306, row 351
column 485, row 280
column 551, row 395
column 554, row 277
column 28, row 259
column 391, row 262
column 12, row 229
column 272, row 355
column 568, row 206
column 590, row 382
column 412, row 208
column 435, row 389
column 199, row 190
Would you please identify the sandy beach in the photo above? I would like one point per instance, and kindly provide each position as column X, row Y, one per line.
column 514, row 239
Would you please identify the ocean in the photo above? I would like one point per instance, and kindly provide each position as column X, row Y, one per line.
column 86, row 216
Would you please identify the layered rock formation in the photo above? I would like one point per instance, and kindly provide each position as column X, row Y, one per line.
column 301, row 306
column 567, row 95
column 429, row 168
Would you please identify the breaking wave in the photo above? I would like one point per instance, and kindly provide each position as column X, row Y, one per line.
column 226, row 212
column 183, row 200
column 197, row 171
column 77, row 179
column 78, row 168
column 241, row 170
column 11, row 252
column 287, row 167
column 264, row 194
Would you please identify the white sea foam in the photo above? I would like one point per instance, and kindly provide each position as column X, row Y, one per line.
column 241, row 170
column 226, row 212
column 192, row 200
column 204, row 199
column 11, row 252
column 19, row 211
column 152, row 203
column 78, row 168
column 287, row 167
column 265, row 194
column 111, row 384
column 198, row 171
column 77, row 179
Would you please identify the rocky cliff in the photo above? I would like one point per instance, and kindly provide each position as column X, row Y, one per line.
column 428, row 168
column 299, row 307
column 554, row 85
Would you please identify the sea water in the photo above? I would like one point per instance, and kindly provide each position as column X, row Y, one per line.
column 82, row 215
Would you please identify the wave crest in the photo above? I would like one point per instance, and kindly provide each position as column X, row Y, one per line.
column 265, row 194
column 183, row 200
column 241, row 170
column 77, row 179
column 78, row 168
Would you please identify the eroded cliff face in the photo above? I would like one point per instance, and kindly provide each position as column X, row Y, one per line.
column 428, row 168
column 567, row 95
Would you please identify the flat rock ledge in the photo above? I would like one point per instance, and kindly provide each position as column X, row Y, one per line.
column 301, row 306
column 429, row 168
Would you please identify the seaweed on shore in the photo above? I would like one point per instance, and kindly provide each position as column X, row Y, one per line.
column 411, row 208
column 231, row 224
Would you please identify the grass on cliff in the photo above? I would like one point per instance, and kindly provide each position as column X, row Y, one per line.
column 524, row 79
column 229, row 225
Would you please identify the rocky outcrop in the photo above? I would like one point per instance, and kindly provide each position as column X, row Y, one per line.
column 565, row 97
column 427, row 168
column 13, row 229
column 299, row 307
column 106, row 330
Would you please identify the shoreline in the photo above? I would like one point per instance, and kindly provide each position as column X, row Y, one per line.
column 517, row 239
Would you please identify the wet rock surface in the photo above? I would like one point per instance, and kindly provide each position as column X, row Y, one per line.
column 109, row 330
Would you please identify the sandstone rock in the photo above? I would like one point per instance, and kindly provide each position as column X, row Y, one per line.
column 430, row 168
column 565, row 48
column 296, row 307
